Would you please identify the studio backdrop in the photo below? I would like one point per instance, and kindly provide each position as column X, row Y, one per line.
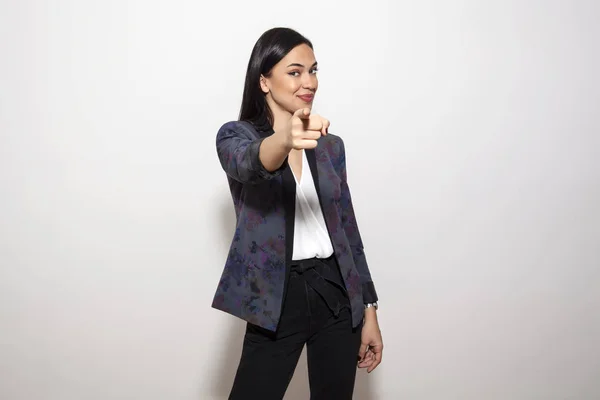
column 472, row 137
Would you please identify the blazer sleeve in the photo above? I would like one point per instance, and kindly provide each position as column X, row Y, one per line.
column 353, row 234
column 238, row 150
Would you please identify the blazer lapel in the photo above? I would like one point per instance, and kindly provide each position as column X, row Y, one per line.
column 289, row 206
column 312, row 162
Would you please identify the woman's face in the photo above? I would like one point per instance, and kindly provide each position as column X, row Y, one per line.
column 293, row 81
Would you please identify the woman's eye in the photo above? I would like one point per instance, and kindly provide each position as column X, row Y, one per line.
column 297, row 73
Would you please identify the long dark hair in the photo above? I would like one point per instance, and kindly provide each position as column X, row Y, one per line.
column 270, row 48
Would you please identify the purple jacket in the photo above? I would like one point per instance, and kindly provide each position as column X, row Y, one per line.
column 252, row 286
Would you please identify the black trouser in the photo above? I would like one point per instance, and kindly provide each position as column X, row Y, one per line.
column 316, row 312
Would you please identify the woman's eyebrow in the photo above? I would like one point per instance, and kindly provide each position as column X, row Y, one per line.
column 300, row 65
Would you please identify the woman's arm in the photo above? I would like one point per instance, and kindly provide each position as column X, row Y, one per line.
column 371, row 347
column 247, row 159
column 273, row 152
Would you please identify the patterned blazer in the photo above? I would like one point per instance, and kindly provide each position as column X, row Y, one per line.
column 253, row 283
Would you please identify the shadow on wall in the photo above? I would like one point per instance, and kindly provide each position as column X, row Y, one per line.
column 231, row 347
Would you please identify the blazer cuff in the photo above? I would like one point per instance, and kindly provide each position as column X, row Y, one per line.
column 259, row 167
column 369, row 293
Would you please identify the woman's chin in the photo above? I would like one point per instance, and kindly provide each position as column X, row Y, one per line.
column 303, row 105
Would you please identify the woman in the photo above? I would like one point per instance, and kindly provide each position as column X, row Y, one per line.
column 296, row 270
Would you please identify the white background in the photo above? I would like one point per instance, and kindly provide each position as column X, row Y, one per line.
column 472, row 137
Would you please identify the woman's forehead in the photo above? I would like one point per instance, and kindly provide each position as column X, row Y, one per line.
column 302, row 55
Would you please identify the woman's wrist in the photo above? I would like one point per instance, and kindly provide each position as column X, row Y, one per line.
column 370, row 313
column 282, row 140
column 272, row 152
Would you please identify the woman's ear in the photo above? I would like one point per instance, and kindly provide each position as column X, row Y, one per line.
column 264, row 85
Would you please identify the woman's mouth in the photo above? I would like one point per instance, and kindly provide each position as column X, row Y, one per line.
column 307, row 98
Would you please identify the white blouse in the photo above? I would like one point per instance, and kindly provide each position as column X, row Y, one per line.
column 311, row 238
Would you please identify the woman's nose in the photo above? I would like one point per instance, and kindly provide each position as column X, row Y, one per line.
column 309, row 82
